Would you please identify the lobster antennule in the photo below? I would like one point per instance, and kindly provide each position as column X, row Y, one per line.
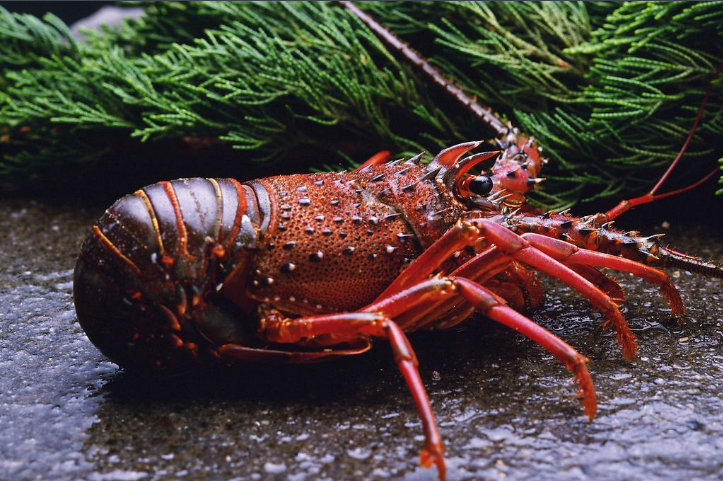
column 671, row 258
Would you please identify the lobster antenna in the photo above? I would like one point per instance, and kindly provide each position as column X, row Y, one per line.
column 626, row 205
column 486, row 114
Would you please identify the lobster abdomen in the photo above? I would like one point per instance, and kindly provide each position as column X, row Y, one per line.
column 147, row 275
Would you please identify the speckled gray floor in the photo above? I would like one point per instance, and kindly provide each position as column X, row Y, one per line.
column 506, row 409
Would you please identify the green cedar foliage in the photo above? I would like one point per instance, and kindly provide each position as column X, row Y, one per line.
column 609, row 89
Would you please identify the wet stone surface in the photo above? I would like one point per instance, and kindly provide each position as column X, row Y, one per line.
column 506, row 409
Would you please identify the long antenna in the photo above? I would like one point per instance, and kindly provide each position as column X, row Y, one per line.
column 626, row 205
column 487, row 115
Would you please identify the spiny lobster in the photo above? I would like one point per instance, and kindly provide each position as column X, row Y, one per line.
column 303, row 268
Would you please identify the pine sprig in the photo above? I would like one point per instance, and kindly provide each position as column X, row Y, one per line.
column 610, row 90
column 27, row 39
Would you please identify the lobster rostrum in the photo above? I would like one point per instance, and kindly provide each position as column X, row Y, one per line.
column 308, row 267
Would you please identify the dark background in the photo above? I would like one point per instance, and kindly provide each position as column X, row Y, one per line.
column 69, row 12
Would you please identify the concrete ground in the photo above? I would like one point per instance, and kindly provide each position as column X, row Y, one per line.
column 506, row 409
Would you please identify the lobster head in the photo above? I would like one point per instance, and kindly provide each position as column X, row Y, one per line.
column 513, row 174
column 516, row 170
column 433, row 197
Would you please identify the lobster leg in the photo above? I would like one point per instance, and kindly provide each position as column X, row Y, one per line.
column 528, row 283
column 580, row 261
column 606, row 283
column 513, row 294
column 492, row 307
column 484, row 265
column 432, row 291
column 573, row 255
column 518, row 286
column 236, row 352
column 377, row 325
column 455, row 313
column 463, row 234
column 507, row 246
column 375, row 320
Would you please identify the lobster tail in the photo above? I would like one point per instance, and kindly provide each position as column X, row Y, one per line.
column 147, row 274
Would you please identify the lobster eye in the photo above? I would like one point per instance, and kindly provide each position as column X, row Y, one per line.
column 480, row 185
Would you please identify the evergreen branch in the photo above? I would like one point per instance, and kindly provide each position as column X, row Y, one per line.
column 609, row 89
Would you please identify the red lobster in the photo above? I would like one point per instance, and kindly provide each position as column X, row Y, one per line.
column 303, row 268
column 308, row 267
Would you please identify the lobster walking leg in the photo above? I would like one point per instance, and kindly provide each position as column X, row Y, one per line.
column 509, row 291
column 606, row 283
column 235, row 353
column 507, row 247
column 495, row 308
column 378, row 325
column 526, row 280
column 461, row 235
column 573, row 255
column 518, row 286
column 375, row 320
column 517, row 248
column 490, row 306
column 482, row 268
